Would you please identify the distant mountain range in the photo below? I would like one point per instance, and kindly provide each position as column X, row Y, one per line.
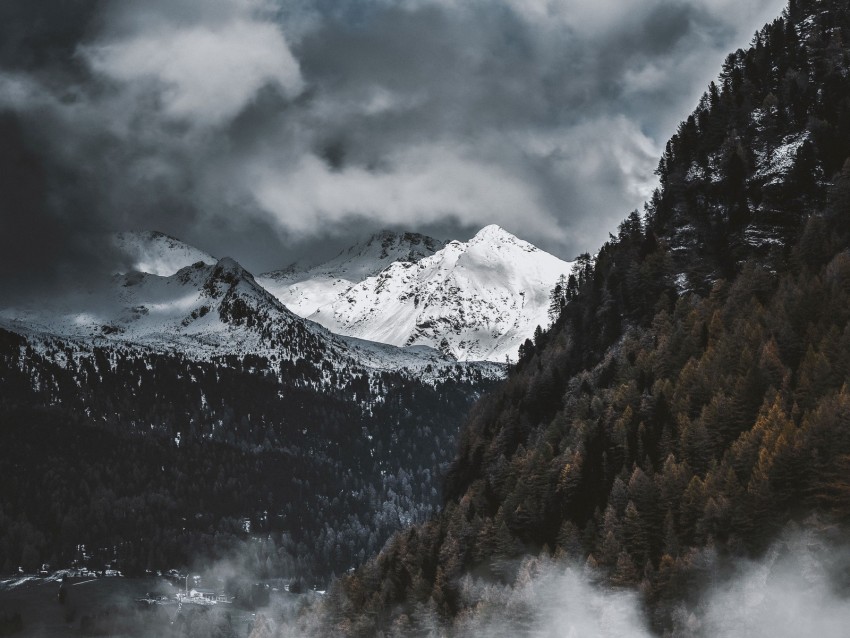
column 437, row 302
column 208, row 310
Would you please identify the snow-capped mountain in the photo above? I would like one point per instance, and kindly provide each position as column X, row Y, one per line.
column 305, row 290
column 204, row 311
column 475, row 300
column 397, row 301
column 157, row 253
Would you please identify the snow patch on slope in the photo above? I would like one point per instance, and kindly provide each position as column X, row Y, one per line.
column 776, row 163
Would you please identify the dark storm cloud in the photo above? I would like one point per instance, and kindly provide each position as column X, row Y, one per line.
column 268, row 129
column 43, row 36
column 38, row 40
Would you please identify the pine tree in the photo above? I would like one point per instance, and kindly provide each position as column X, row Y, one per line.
column 558, row 298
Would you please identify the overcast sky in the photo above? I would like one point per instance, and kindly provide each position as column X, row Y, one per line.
column 273, row 129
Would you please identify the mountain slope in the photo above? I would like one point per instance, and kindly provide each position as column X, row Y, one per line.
column 306, row 290
column 692, row 398
column 475, row 300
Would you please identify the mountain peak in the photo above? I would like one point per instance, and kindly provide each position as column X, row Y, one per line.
column 230, row 265
column 474, row 300
column 402, row 246
column 229, row 270
column 477, row 300
column 496, row 237
column 492, row 230
column 226, row 274
column 494, row 234
column 384, row 235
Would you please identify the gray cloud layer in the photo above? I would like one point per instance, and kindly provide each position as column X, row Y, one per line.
column 265, row 129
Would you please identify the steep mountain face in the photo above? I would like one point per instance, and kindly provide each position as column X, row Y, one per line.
column 157, row 253
column 475, row 300
column 692, row 399
column 305, row 290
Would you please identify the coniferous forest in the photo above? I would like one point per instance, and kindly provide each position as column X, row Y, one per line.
column 149, row 462
column 693, row 391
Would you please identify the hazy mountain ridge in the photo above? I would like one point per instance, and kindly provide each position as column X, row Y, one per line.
column 157, row 253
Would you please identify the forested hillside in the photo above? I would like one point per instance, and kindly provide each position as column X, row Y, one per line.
column 147, row 460
column 693, row 391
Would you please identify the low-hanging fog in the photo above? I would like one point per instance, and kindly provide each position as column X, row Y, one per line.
column 800, row 587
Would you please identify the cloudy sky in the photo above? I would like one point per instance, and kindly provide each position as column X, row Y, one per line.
column 271, row 130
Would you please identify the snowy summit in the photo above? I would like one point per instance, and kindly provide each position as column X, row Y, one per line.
column 474, row 300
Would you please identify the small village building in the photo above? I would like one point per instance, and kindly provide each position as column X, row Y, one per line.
column 206, row 594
